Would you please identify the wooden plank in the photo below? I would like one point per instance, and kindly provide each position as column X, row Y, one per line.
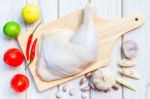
column 109, row 9
column 48, row 12
column 10, row 11
column 66, row 7
column 142, row 37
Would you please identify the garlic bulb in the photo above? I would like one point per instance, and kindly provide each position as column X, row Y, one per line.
column 103, row 79
column 66, row 52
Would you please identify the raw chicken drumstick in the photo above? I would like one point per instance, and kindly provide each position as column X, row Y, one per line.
column 65, row 52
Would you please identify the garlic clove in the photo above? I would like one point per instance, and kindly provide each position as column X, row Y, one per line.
column 58, row 95
column 64, row 88
column 83, row 80
column 130, row 73
column 127, row 63
column 126, row 83
column 92, row 85
column 72, row 91
column 130, row 49
column 107, row 90
column 88, row 75
column 84, row 95
column 116, row 86
column 85, row 89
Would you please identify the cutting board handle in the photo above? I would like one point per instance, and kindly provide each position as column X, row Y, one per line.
column 119, row 27
column 129, row 23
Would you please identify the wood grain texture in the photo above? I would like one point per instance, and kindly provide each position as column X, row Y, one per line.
column 142, row 37
column 9, row 11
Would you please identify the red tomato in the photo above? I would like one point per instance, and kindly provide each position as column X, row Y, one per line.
column 19, row 83
column 13, row 57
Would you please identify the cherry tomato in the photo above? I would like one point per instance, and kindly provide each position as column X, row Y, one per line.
column 19, row 83
column 13, row 57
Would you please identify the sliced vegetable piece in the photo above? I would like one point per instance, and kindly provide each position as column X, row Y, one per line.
column 127, row 63
column 126, row 83
column 130, row 73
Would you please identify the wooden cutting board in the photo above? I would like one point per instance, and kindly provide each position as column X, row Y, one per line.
column 109, row 32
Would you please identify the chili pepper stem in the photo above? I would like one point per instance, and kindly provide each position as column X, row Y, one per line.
column 28, row 65
column 36, row 28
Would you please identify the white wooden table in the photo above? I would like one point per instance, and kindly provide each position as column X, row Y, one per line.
column 53, row 9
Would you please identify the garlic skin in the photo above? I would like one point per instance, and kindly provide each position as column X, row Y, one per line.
column 103, row 78
column 65, row 52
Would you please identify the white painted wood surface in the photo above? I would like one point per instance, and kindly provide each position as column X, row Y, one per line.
column 9, row 10
column 53, row 9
